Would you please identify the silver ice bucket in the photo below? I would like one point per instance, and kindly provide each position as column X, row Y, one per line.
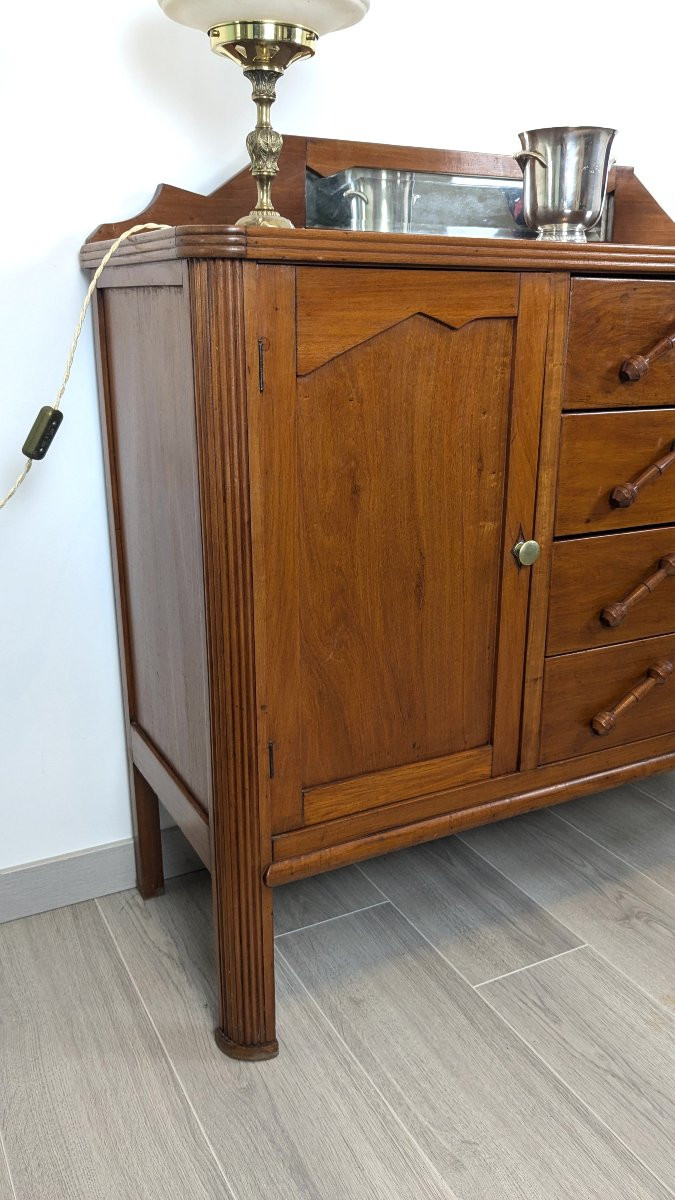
column 565, row 173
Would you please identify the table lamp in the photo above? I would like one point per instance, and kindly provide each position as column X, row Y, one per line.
column 265, row 38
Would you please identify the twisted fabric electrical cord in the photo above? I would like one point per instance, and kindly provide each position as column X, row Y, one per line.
column 78, row 330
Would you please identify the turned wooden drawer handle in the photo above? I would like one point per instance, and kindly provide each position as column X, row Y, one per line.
column 604, row 722
column 627, row 493
column 637, row 366
column 614, row 614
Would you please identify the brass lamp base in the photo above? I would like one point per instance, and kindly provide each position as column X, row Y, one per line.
column 264, row 49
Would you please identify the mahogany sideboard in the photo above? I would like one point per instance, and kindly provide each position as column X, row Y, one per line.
column 323, row 450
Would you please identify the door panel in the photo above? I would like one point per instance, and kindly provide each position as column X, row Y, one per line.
column 382, row 435
column 401, row 445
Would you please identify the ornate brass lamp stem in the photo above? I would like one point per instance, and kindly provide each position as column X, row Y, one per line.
column 264, row 147
column 264, row 49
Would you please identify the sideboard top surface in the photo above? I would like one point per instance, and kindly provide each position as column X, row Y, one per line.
column 384, row 249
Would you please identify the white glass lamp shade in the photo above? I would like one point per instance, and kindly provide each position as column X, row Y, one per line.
column 321, row 16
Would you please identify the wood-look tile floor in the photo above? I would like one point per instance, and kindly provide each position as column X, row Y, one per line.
column 490, row 1016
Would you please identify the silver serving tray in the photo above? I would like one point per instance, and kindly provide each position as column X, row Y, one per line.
column 389, row 201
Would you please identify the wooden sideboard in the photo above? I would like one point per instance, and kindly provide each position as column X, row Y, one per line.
column 322, row 450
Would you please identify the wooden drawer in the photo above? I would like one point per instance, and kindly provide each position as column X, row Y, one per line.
column 602, row 451
column 611, row 321
column 577, row 687
column 592, row 576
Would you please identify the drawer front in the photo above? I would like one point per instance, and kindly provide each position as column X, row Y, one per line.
column 608, row 477
column 612, row 321
column 595, row 684
column 618, row 587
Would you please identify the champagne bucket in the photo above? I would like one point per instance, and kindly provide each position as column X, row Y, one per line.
column 565, row 173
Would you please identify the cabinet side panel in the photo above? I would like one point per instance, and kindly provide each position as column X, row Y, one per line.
column 153, row 427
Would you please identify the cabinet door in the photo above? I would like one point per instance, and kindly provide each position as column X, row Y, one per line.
column 389, row 409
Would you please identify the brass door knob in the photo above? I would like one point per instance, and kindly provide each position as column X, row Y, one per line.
column 526, row 553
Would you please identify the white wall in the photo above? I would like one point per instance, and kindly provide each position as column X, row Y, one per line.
column 100, row 103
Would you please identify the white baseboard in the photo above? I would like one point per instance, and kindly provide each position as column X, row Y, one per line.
column 71, row 878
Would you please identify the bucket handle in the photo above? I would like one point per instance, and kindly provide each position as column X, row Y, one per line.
column 525, row 154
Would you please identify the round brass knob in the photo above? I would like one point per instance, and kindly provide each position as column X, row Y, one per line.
column 527, row 553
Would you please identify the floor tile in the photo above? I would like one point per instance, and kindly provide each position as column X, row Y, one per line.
column 89, row 1106
column 321, row 898
column 607, row 1041
column 616, row 909
column 630, row 824
column 481, row 922
column 308, row 1124
column 493, row 1119
column 661, row 787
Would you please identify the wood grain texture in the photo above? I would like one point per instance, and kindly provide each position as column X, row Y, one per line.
column 519, row 509
column 604, row 1038
column 486, row 1112
column 599, row 451
column 308, row 1124
column 488, row 800
column 363, row 303
column 477, row 919
column 89, row 1104
column 149, row 867
column 610, row 320
column 590, row 574
column 631, row 825
column 577, row 687
column 240, row 818
column 145, row 819
column 153, row 417
column 398, row 644
column 328, row 156
column 172, row 794
column 386, row 249
column 331, row 800
column 544, row 520
column 626, row 917
column 270, row 303
column 638, row 219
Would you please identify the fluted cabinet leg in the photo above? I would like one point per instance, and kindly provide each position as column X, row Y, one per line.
column 246, row 938
column 240, row 825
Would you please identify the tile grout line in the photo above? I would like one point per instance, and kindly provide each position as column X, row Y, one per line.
column 166, row 1054
column 9, row 1169
column 529, row 895
column 618, row 857
column 644, row 792
column 633, row 982
column 429, row 942
column 359, row 867
column 325, row 921
column 512, row 883
column 453, row 967
column 563, row 1083
column 530, row 966
column 398, row 1119
column 532, row 1050
column 590, row 945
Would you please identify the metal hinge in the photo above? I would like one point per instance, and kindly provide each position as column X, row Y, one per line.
column 262, row 346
